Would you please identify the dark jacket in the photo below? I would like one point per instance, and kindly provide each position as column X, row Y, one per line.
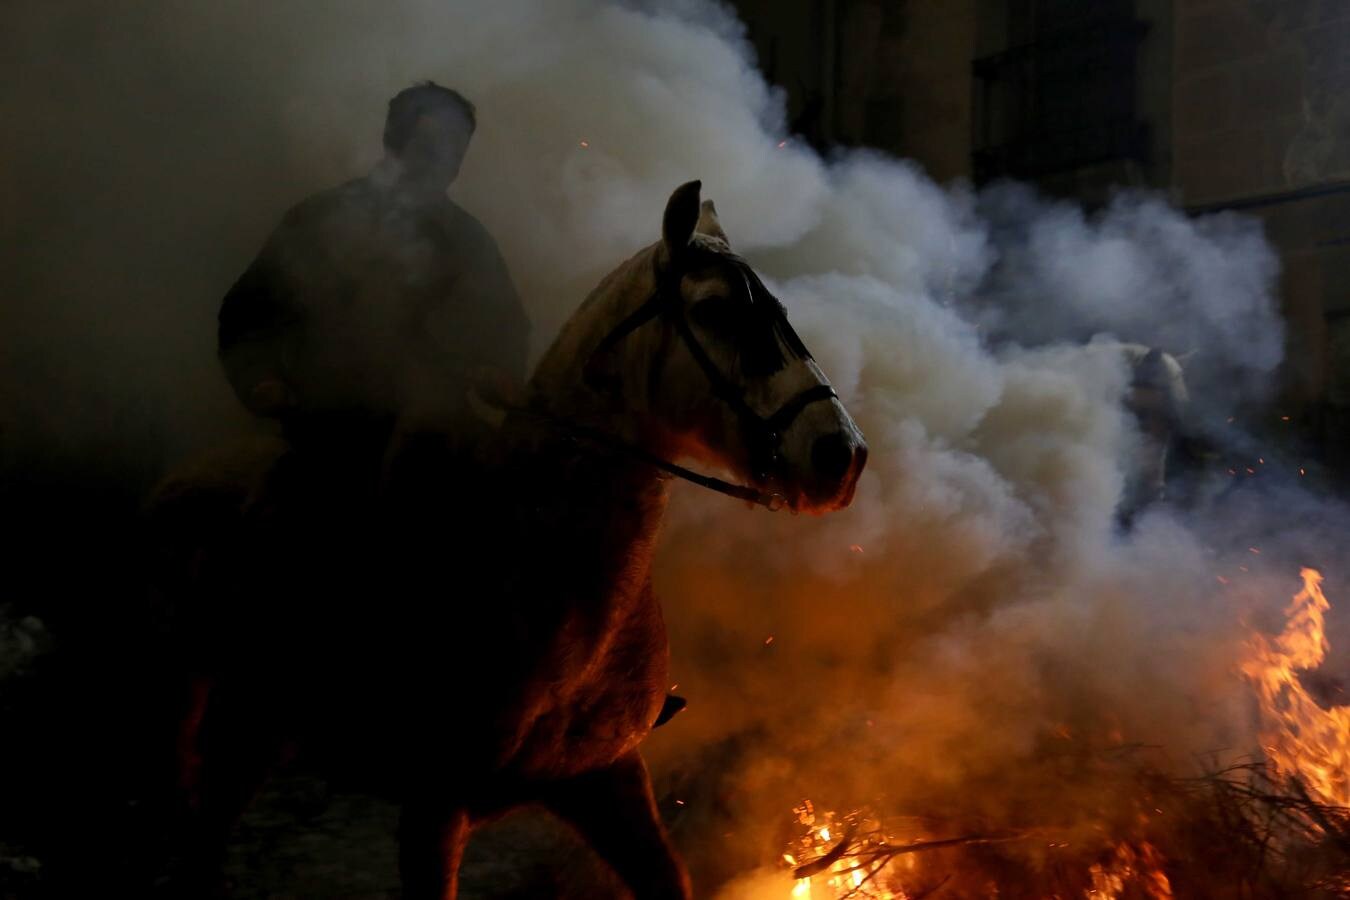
column 370, row 303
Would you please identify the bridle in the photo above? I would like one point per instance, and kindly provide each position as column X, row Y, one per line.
column 763, row 435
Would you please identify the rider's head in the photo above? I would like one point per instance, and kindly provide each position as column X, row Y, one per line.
column 428, row 130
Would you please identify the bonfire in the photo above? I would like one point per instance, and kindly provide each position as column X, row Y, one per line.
column 1274, row 826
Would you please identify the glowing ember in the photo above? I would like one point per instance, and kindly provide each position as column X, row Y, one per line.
column 1303, row 741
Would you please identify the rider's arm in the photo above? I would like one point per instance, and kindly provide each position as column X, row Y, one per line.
column 477, row 332
column 497, row 314
column 257, row 320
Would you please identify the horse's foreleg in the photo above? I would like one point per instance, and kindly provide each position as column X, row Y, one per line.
column 431, row 838
column 228, row 752
column 614, row 811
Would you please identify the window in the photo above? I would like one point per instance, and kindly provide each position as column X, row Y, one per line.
column 1064, row 98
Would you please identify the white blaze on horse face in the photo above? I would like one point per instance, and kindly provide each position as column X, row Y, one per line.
column 820, row 453
column 823, row 450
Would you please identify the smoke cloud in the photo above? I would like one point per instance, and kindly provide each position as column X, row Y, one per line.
column 1140, row 271
column 975, row 611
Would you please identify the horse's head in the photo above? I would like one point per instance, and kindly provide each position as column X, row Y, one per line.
column 711, row 361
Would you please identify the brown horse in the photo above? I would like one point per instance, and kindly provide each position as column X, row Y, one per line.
column 515, row 654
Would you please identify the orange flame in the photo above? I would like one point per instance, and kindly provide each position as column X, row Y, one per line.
column 1302, row 740
column 1139, row 866
column 852, row 856
column 851, row 875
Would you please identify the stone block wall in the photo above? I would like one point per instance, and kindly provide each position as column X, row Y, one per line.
column 921, row 98
column 1261, row 123
column 1261, row 96
column 1247, row 102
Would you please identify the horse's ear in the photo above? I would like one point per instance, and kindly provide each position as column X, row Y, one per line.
column 681, row 218
column 708, row 223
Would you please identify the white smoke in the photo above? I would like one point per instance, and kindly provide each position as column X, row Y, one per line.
column 974, row 599
column 1141, row 271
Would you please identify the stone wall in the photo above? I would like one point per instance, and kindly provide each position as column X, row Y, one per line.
column 790, row 39
column 1261, row 120
column 914, row 98
column 1261, row 96
column 890, row 74
column 1247, row 103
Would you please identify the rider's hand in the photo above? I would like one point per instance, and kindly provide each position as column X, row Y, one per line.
column 495, row 387
column 271, row 396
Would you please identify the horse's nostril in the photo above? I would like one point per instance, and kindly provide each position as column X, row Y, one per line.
column 832, row 456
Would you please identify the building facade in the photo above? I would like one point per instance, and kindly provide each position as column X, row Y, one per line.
column 1221, row 104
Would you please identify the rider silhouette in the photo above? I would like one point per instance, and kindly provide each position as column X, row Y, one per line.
column 373, row 306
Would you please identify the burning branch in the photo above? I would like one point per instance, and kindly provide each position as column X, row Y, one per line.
column 1275, row 838
column 1277, row 827
column 852, row 864
column 816, row 866
column 886, row 852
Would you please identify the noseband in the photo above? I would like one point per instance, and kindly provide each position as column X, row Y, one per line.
column 763, row 435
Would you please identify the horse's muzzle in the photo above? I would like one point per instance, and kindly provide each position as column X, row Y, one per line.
column 837, row 461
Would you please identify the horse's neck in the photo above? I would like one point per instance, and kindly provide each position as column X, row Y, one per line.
column 610, row 503
column 558, row 385
column 590, row 519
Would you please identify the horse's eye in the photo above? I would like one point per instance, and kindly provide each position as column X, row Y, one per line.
column 714, row 314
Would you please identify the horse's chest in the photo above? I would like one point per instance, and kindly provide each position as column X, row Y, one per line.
column 604, row 697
